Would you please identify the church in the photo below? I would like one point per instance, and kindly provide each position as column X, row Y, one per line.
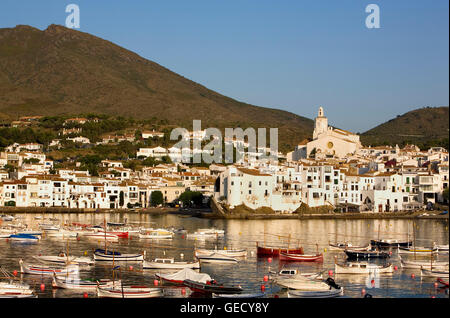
column 327, row 141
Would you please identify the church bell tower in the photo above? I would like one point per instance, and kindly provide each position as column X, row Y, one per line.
column 321, row 124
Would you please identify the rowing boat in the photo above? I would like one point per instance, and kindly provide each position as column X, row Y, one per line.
column 186, row 273
column 423, row 264
column 101, row 236
column 102, row 255
column 366, row 254
column 155, row 234
column 62, row 258
column 47, row 270
column 344, row 246
column 211, row 287
column 226, row 252
column 362, row 268
column 23, row 238
column 216, row 258
column 390, row 242
column 169, row 263
column 275, row 251
column 128, row 292
column 255, row 295
column 301, row 283
column 330, row 293
column 83, row 284
column 422, row 251
column 433, row 273
column 301, row 257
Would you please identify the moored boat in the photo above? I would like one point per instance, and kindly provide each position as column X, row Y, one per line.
column 226, row 252
column 62, row 258
column 101, row 236
column 366, row 254
column 438, row 265
column 362, row 268
column 434, row 273
column 179, row 277
column 168, row 263
column 47, row 270
column 108, row 255
column 211, row 287
column 155, row 234
column 422, row 251
column 301, row 257
column 275, row 251
column 390, row 242
column 331, row 293
column 346, row 245
column 119, row 291
column 216, row 258
column 443, row 282
column 23, row 238
column 254, row 295
column 83, row 284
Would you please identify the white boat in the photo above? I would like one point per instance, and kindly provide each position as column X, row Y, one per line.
column 205, row 234
column 346, row 245
column 332, row 292
column 419, row 251
column 301, row 283
column 129, row 292
column 48, row 227
column 216, row 258
column 101, row 236
column 7, row 218
column 12, row 287
column 362, row 268
column 62, row 258
column 109, row 255
column 169, row 263
column 441, row 248
column 182, row 275
column 423, row 264
column 82, row 284
column 64, row 234
column 295, row 272
column 434, row 273
column 47, row 270
column 226, row 252
column 155, row 234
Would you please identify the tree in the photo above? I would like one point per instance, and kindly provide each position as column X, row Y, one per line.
column 156, row 198
column 445, row 194
column 121, row 199
column 191, row 197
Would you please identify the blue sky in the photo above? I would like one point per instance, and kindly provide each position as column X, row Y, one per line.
column 292, row 55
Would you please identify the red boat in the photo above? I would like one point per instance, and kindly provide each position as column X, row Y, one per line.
column 301, row 257
column 443, row 282
column 275, row 251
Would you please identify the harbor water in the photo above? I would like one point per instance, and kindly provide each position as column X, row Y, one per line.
column 313, row 235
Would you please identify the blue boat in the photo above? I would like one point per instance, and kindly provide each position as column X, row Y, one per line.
column 23, row 238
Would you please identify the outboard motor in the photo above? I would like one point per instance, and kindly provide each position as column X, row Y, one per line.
column 330, row 281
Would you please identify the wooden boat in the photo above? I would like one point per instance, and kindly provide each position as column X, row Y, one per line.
column 13, row 287
column 443, row 282
column 227, row 252
column 275, row 251
column 331, row 293
column 211, row 287
column 205, row 234
column 422, row 251
column 169, row 263
column 155, row 234
column 102, row 255
column 115, row 224
column 390, row 242
column 362, row 268
column 301, row 283
column 101, row 236
column 295, row 272
column 7, row 218
column 179, row 277
column 62, row 258
column 366, row 254
column 23, row 238
column 17, row 295
column 47, row 270
column 63, row 282
column 64, row 234
column 255, row 295
column 38, row 234
column 128, row 292
column 423, row 264
column 49, row 227
column 212, row 231
column 301, row 257
column 433, row 273
column 216, row 258
column 441, row 248
column 344, row 246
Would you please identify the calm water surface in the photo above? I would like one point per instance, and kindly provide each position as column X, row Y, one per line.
column 313, row 235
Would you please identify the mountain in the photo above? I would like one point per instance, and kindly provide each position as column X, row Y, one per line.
column 63, row 71
column 426, row 126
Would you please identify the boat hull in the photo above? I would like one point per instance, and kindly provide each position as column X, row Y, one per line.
column 301, row 257
column 275, row 251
